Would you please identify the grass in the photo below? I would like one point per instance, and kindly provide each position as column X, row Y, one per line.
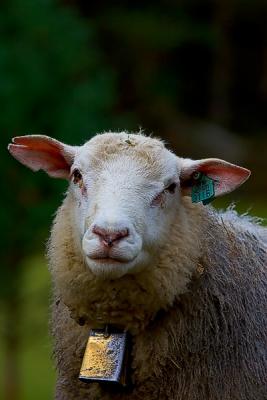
column 36, row 370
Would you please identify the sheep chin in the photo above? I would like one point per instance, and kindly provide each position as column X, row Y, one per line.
column 113, row 269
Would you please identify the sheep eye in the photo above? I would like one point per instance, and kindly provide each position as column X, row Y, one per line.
column 171, row 188
column 77, row 176
column 159, row 200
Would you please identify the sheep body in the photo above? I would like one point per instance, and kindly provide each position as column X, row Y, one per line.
column 188, row 283
column 209, row 343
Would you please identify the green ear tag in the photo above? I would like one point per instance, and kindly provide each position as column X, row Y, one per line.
column 203, row 189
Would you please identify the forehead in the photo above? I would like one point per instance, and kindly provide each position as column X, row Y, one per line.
column 123, row 151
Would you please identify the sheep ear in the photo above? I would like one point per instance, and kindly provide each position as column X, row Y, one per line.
column 42, row 152
column 226, row 176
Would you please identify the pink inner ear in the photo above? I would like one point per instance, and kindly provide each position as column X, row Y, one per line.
column 227, row 176
column 40, row 152
column 39, row 142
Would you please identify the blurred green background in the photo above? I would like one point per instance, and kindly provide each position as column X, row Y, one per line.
column 192, row 72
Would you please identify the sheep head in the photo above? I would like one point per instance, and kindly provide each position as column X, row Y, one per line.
column 126, row 192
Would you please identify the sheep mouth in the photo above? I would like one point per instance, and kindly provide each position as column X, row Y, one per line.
column 108, row 260
column 112, row 266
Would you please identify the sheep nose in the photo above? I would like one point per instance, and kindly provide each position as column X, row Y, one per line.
column 108, row 237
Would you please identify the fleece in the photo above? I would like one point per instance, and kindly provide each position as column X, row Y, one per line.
column 197, row 316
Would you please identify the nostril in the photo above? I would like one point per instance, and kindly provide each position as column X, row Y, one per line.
column 98, row 231
column 109, row 236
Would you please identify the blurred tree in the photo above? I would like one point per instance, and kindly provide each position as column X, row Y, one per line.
column 52, row 81
column 189, row 59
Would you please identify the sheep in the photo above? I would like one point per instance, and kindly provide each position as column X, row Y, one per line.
column 129, row 248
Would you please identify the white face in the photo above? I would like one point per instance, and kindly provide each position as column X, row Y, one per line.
column 123, row 203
